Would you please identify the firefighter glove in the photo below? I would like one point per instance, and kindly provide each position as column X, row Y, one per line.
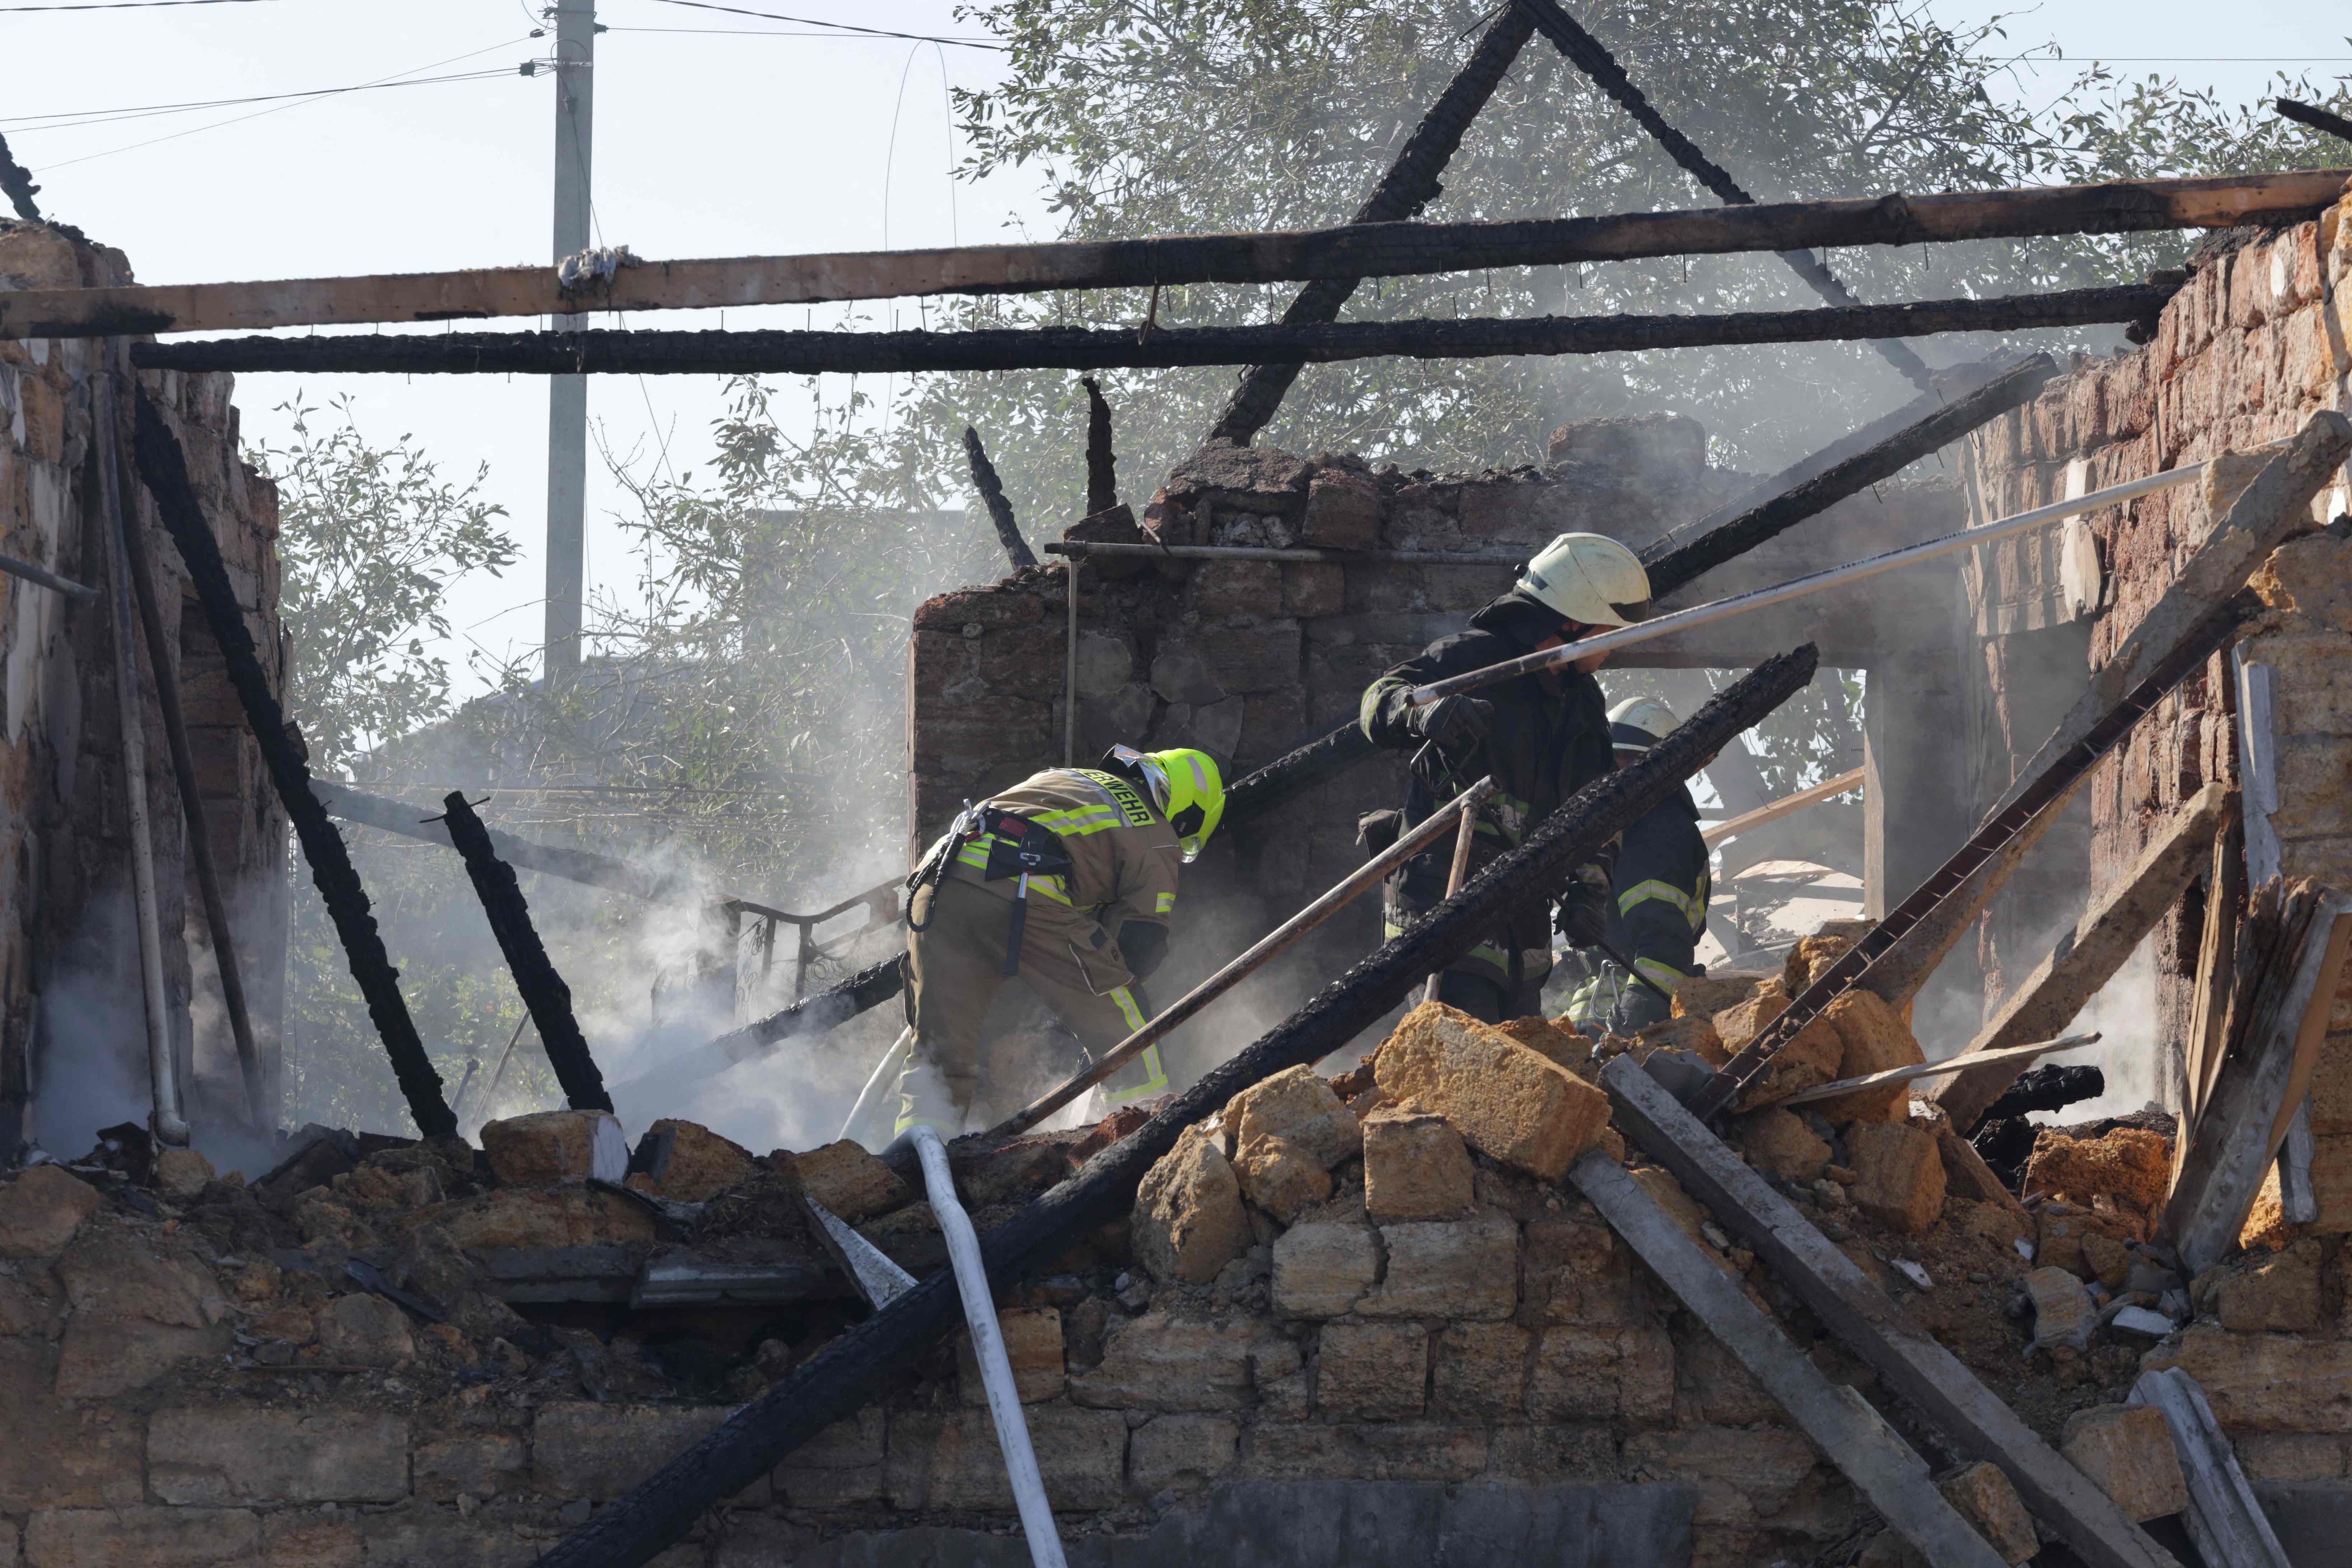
column 1455, row 723
column 1583, row 917
column 1142, row 944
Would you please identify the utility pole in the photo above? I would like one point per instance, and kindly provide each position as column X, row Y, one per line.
column 567, row 396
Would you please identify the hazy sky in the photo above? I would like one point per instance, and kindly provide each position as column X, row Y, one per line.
column 716, row 134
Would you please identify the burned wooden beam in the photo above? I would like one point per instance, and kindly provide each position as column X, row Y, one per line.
column 1672, row 566
column 1351, row 251
column 1102, row 463
column 165, row 469
column 1853, row 1436
column 812, row 1014
column 2087, row 956
column 1410, row 184
column 1870, row 1324
column 838, row 1379
column 2317, row 118
column 544, row 994
column 992, row 496
column 16, row 184
column 2261, row 499
column 1086, row 348
column 1589, row 54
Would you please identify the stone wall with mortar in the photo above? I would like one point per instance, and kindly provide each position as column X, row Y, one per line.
column 67, row 947
column 2250, row 348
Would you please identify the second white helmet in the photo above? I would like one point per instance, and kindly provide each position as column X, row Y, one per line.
column 1640, row 722
column 1590, row 578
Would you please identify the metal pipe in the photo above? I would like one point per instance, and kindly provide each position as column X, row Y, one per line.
column 1080, row 548
column 169, row 1122
column 988, row 1347
column 1281, row 938
column 1070, row 677
column 1798, row 587
column 32, row 573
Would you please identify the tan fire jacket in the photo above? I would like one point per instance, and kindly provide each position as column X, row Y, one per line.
column 1123, row 857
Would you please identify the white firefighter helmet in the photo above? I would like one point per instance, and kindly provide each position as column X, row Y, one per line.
column 1590, row 578
column 1640, row 722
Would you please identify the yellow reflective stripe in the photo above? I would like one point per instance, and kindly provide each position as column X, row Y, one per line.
column 1668, row 977
column 976, row 854
column 1079, row 821
column 1154, row 1079
column 1667, row 894
column 1488, row 953
column 1129, row 1010
column 1165, row 902
column 1049, row 887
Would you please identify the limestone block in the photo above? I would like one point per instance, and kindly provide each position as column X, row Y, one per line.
column 1578, row 1273
column 1104, row 663
column 550, row 1146
column 2331, row 1182
column 216, row 1456
column 2264, row 1383
column 1989, row 1501
column 1369, row 1451
column 2290, row 1457
column 1295, row 1105
column 1179, row 674
column 602, row 1451
column 1805, row 1062
column 1710, row 1384
column 1561, row 1045
column 1741, row 1022
column 2278, row 1295
column 850, row 1181
column 2062, row 1231
column 44, row 409
column 701, row 1164
column 1415, row 1167
column 1181, row 1450
column 1280, row 1177
column 1481, row 1371
column 1780, row 1144
column 840, row 1465
column 951, row 1460
column 1741, row 1475
column 1032, row 1344
column 1323, row 1270
column 1901, row 1171
column 1874, row 1039
column 1830, row 942
column 2127, row 1163
column 364, row 1330
column 1370, row 1371
column 51, row 1455
column 2062, row 1313
column 1467, row 1270
column 2126, row 1450
column 42, row 1209
column 138, row 1311
column 475, row 1464
column 1706, row 996
column 1161, row 1362
column 1314, row 589
column 2108, row 1259
column 1189, row 1220
column 546, row 1217
column 181, row 1174
column 1603, row 1375
column 1690, row 1032
column 1343, row 512
column 1509, row 1101
column 2312, row 576
column 143, row 1537
column 293, row 1538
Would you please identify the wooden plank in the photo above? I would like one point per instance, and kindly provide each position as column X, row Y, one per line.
column 1856, row 1438
column 1355, row 250
column 2225, row 1519
column 1871, row 1325
column 2239, row 1135
column 1102, row 348
column 2225, row 892
column 2010, row 1057
column 2088, row 956
column 1786, row 805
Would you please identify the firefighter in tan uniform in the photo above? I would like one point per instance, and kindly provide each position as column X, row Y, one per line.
column 1068, row 882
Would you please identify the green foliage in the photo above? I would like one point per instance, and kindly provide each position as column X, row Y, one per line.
column 370, row 539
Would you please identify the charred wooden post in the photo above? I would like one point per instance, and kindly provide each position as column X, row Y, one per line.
column 1080, row 348
column 2317, row 118
column 991, row 495
column 1590, row 55
column 1410, row 184
column 838, row 1379
column 1673, row 566
column 17, row 182
column 164, row 467
column 1102, row 464
column 813, row 1014
column 544, row 994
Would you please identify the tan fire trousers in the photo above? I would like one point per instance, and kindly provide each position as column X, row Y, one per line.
column 955, row 964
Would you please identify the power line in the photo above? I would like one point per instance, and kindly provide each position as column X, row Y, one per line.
column 841, row 26
column 72, row 120
column 127, row 5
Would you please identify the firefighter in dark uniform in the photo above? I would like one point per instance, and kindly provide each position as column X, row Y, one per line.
column 1661, row 887
column 1542, row 736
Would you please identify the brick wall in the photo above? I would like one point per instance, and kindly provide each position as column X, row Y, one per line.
column 68, row 952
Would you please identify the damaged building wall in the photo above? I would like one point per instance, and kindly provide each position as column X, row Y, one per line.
column 71, row 1013
column 2249, row 349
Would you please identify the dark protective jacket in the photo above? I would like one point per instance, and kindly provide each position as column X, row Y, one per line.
column 1549, row 739
column 1662, row 886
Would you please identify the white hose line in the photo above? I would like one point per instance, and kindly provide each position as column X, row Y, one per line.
column 876, row 1095
column 988, row 1345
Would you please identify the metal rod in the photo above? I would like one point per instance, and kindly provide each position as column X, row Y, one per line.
column 1079, row 549
column 1070, row 677
column 1274, row 943
column 1797, row 588
column 498, row 1074
column 1786, row 805
column 1917, row 1070
column 988, row 1349
column 1465, row 835
column 32, row 573
column 1632, row 971
column 169, row 1122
